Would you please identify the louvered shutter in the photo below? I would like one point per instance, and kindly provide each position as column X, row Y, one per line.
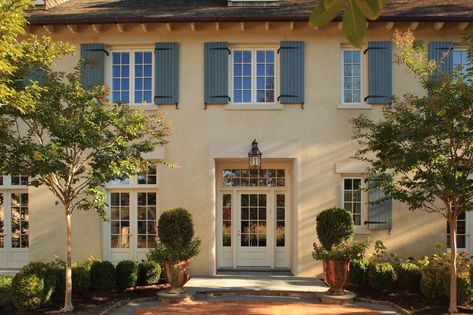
column 216, row 73
column 379, row 208
column 35, row 75
column 292, row 72
column 380, row 72
column 93, row 71
column 166, row 71
column 439, row 51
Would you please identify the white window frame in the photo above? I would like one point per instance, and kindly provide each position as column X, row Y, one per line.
column 462, row 50
column 358, row 228
column 133, row 183
column 254, row 104
column 132, row 74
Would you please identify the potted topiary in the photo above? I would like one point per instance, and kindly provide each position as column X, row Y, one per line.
column 335, row 232
column 175, row 247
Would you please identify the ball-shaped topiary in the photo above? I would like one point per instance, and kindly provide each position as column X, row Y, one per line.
column 126, row 274
column 148, row 272
column 175, row 228
column 334, row 226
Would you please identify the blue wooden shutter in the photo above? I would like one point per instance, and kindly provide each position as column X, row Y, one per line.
column 216, row 73
column 93, row 72
column 380, row 73
column 34, row 75
column 439, row 51
column 379, row 208
column 292, row 72
column 166, row 71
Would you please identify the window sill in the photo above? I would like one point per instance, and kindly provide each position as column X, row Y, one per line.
column 355, row 106
column 362, row 231
column 273, row 106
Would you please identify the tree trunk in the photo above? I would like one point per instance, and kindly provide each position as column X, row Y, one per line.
column 452, row 221
column 68, row 296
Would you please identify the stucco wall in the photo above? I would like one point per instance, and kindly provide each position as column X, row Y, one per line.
column 322, row 130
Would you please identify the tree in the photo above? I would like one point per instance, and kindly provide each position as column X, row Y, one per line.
column 73, row 142
column 354, row 16
column 426, row 143
column 19, row 56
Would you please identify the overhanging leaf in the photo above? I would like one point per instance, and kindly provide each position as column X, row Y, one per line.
column 354, row 24
column 369, row 8
column 320, row 16
column 329, row 4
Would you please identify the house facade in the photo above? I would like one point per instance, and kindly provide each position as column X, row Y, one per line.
column 225, row 73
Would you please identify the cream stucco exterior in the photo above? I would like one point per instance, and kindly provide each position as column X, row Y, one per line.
column 314, row 142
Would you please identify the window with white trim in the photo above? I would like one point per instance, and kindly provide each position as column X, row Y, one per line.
column 352, row 69
column 253, row 75
column 462, row 229
column 461, row 63
column 131, row 77
column 352, row 198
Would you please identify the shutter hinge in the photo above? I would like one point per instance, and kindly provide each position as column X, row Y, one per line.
column 164, row 96
column 283, row 95
column 375, row 48
column 383, row 96
column 218, row 96
column 222, row 48
column 162, row 48
column 378, row 222
column 286, row 47
column 100, row 49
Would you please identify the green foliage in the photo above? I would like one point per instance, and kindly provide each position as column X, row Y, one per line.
column 102, row 275
column 149, row 272
column 358, row 272
column 5, row 292
column 46, row 273
column 81, row 281
column 346, row 251
column 381, row 276
column 408, row 276
column 175, row 227
column 471, row 272
column 126, row 274
column 27, row 291
column 354, row 17
column 161, row 253
column 334, row 227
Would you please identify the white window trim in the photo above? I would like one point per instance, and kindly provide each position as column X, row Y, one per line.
column 359, row 229
column 133, row 183
column 7, row 184
column 109, row 60
column 363, row 81
column 254, row 105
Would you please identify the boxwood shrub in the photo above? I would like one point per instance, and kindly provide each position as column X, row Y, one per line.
column 334, row 226
column 176, row 228
column 381, row 275
column 358, row 272
column 126, row 274
column 408, row 276
column 27, row 291
column 5, row 291
column 102, row 275
column 149, row 272
column 80, row 279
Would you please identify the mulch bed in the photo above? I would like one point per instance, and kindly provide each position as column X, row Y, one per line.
column 95, row 302
column 415, row 303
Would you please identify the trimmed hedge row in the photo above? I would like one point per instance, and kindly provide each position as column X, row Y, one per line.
column 37, row 283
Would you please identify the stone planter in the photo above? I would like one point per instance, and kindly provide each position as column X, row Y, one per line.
column 177, row 275
column 336, row 275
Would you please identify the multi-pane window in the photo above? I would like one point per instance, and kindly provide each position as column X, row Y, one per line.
column 461, row 63
column 120, row 219
column 2, row 220
column 146, row 219
column 253, row 220
column 254, row 178
column 280, row 220
column 253, row 75
column 132, row 77
column 352, row 198
column 148, row 178
column 19, row 220
column 351, row 74
column 227, row 220
column 461, row 232
column 19, row 180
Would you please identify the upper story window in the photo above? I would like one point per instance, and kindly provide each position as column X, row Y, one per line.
column 149, row 177
column 352, row 198
column 460, row 60
column 132, row 77
column 253, row 76
column 13, row 180
column 352, row 76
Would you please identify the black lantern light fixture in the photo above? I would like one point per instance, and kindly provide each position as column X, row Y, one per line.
column 254, row 156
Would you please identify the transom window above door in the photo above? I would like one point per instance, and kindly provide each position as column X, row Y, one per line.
column 150, row 177
column 131, row 77
column 253, row 75
column 254, row 178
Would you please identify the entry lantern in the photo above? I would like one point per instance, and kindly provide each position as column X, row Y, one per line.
column 254, row 156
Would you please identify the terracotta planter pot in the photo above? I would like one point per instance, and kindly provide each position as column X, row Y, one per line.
column 336, row 275
column 177, row 275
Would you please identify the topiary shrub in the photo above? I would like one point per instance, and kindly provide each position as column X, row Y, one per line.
column 358, row 272
column 81, row 282
column 5, row 291
column 334, row 226
column 126, row 274
column 102, row 275
column 27, row 291
column 408, row 276
column 381, row 276
column 148, row 272
column 175, row 228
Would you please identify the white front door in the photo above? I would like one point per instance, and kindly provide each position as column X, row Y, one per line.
column 132, row 226
column 255, row 230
